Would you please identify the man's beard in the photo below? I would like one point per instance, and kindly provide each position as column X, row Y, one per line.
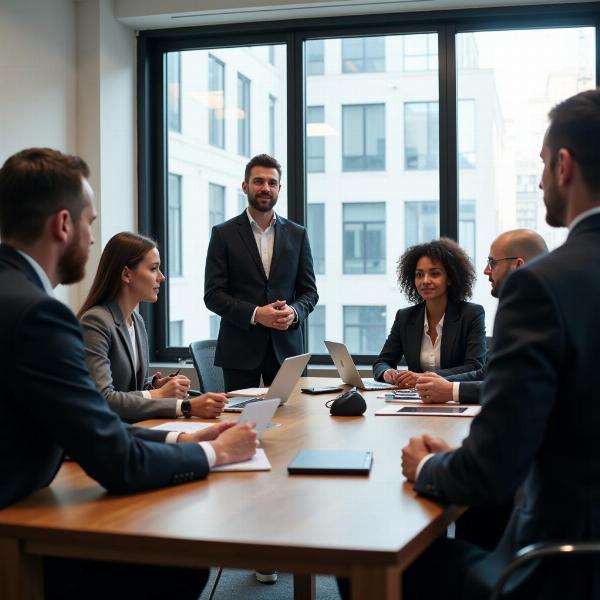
column 71, row 265
column 555, row 207
column 262, row 208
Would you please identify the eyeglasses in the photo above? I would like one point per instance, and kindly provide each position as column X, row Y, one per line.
column 491, row 262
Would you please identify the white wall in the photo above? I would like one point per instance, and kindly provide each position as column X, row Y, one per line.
column 68, row 82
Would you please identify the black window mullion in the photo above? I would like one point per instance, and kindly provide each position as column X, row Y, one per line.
column 448, row 167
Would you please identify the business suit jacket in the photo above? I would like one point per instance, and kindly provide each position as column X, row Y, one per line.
column 470, row 384
column 462, row 346
column 235, row 283
column 49, row 405
column 109, row 357
column 540, row 416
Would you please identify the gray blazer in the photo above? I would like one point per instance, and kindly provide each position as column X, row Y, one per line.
column 109, row 357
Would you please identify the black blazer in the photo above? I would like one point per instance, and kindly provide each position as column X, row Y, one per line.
column 470, row 384
column 235, row 283
column 540, row 417
column 463, row 340
column 49, row 405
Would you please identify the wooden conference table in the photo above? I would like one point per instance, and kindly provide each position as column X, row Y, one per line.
column 366, row 528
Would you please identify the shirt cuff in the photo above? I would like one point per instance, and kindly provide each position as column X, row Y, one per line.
column 146, row 394
column 296, row 317
column 178, row 412
column 455, row 391
column 253, row 319
column 172, row 437
column 421, row 465
column 211, row 455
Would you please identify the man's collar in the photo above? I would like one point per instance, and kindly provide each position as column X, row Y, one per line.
column 252, row 221
column 39, row 272
column 584, row 215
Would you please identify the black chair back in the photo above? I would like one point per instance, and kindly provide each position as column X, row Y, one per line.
column 210, row 378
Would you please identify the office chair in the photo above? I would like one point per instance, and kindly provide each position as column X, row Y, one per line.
column 539, row 551
column 210, row 378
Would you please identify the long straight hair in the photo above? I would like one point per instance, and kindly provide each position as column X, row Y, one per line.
column 124, row 249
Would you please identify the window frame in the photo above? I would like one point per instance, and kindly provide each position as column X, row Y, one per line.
column 151, row 106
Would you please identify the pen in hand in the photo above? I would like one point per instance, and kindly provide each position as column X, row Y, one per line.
column 175, row 374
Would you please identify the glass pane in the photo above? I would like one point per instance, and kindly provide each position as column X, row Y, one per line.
column 232, row 106
column 365, row 184
column 507, row 81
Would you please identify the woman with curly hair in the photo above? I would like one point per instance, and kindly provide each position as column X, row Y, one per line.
column 441, row 332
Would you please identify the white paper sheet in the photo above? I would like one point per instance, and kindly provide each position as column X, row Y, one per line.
column 183, row 426
column 250, row 392
column 259, row 462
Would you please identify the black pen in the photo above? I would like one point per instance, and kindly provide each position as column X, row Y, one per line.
column 175, row 374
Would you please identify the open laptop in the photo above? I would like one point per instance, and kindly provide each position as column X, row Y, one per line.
column 283, row 384
column 349, row 373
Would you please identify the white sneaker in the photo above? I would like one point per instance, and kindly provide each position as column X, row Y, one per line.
column 266, row 577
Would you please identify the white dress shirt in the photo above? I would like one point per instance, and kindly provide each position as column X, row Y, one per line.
column 430, row 352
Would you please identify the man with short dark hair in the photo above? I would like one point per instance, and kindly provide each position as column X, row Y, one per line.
column 508, row 252
column 260, row 280
column 540, row 418
column 50, row 406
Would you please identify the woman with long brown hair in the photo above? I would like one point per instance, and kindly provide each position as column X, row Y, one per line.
column 117, row 343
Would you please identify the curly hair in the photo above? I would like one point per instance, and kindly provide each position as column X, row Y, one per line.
column 458, row 266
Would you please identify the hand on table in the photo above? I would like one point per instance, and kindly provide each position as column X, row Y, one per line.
column 417, row 449
column 209, row 405
column 402, row 379
column 236, row 443
column 205, row 435
column 433, row 389
column 172, row 386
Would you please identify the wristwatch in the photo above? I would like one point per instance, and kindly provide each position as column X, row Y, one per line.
column 186, row 408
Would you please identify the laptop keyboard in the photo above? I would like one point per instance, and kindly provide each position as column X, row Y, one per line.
column 245, row 402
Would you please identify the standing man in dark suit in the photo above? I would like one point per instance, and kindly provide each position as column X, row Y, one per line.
column 508, row 252
column 259, row 279
column 49, row 405
column 540, row 417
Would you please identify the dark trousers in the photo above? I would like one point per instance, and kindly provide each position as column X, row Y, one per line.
column 66, row 579
column 438, row 573
column 237, row 379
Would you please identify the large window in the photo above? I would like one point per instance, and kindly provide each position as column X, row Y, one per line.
column 363, row 55
column 364, row 328
column 174, row 227
column 364, row 137
column 216, row 102
column 364, row 238
column 403, row 127
column 243, row 87
column 316, row 227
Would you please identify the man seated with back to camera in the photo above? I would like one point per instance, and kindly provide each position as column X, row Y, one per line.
column 49, row 405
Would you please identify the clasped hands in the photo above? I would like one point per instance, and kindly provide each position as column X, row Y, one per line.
column 432, row 388
column 277, row 315
column 417, row 449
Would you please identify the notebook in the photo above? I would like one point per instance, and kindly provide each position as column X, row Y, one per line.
column 332, row 462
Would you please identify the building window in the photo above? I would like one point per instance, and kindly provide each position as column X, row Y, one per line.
column 316, row 330
column 315, row 144
column 363, row 137
column 242, row 202
column 316, row 233
column 466, row 134
column 272, row 106
column 243, row 87
column 174, row 91
column 214, row 322
column 422, row 224
column 216, row 205
column 364, row 329
column 314, row 55
column 421, row 136
column 176, row 333
column 216, row 102
column 420, row 52
column 527, row 213
column 174, row 238
column 527, row 183
column 364, row 238
column 363, row 55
